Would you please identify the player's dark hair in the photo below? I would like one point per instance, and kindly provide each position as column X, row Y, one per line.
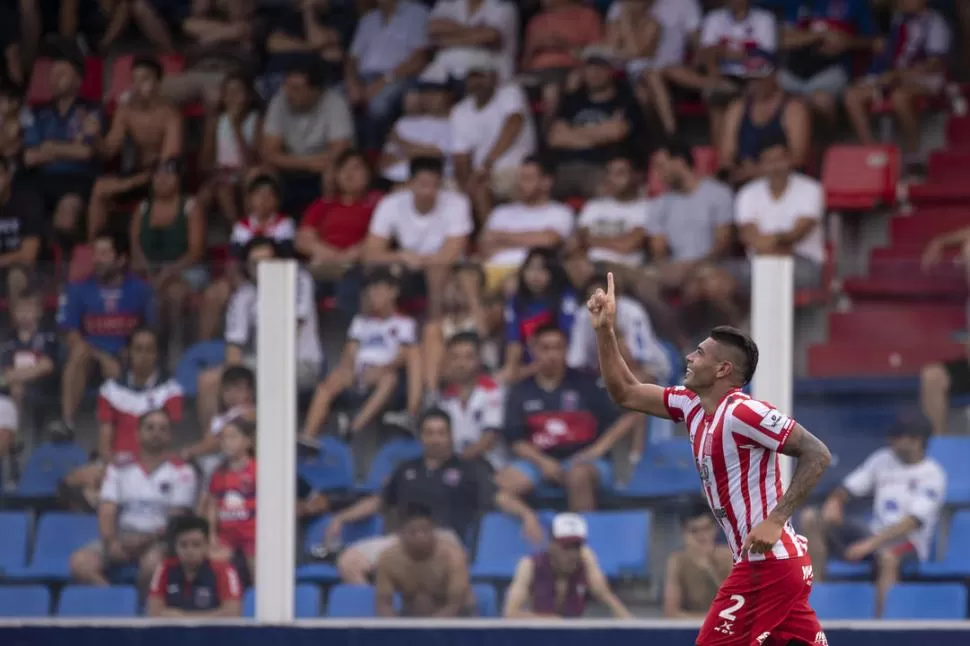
column 149, row 63
column 434, row 413
column 695, row 511
column 543, row 164
column 414, row 511
column 118, row 241
column 238, row 375
column 465, row 337
column 745, row 347
column 189, row 523
column 427, row 165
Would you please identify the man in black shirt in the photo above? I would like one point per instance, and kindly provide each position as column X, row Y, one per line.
column 456, row 491
column 599, row 121
column 21, row 231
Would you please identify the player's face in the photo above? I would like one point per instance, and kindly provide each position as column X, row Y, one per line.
column 417, row 537
column 155, row 433
column 463, row 362
column 26, row 313
column 703, row 365
column 381, row 298
column 143, row 353
column 699, row 534
column 64, row 79
column 191, row 548
column 436, row 438
column 550, row 353
column 234, row 443
column 144, row 82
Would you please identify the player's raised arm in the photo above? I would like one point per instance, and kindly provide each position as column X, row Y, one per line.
column 625, row 389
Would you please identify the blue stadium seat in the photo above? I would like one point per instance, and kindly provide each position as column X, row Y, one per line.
column 500, row 546
column 13, row 540
column 91, row 601
column 46, row 467
column 955, row 564
column 351, row 601
column 926, row 601
column 486, row 600
column 332, row 469
column 386, row 460
column 196, row 359
column 620, row 540
column 18, row 601
column 844, row 600
column 58, row 535
column 324, row 572
column 849, row 450
column 836, row 570
column 667, row 469
column 953, row 454
column 306, row 602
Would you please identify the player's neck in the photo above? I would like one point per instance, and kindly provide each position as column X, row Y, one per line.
column 712, row 397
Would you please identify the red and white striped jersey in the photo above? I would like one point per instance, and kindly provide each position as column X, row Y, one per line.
column 736, row 453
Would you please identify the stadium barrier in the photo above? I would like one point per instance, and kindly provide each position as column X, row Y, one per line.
column 439, row 633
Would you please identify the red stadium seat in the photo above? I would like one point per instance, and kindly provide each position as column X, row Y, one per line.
column 855, row 359
column 39, row 91
column 121, row 67
column 958, row 132
column 860, row 178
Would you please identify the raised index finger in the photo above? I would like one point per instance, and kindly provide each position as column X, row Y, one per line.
column 609, row 284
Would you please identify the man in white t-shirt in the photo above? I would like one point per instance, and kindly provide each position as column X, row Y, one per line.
column 533, row 221
column 423, row 130
column 461, row 29
column 431, row 227
column 492, row 133
column 137, row 499
column 908, row 490
column 614, row 227
column 781, row 214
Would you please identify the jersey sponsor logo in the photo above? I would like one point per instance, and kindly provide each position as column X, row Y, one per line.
column 774, row 422
column 762, row 637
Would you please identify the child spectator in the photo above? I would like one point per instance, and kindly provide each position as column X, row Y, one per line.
column 230, row 505
column 463, row 311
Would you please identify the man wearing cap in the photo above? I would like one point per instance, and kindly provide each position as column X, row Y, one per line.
column 908, row 489
column 559, row 581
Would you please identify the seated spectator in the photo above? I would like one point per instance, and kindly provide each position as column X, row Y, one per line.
column 231, row 144
column 462, row 29
column 61, row 145
column 307, row 127
column 911, row 67
column 543, row 297
column 821, row 39
column 405, row 569
column 388, row 51
column 766, row 113
column 23, row 225
column 137, row 499
column 424, row 130
column 464, row 310
column 332, row 232
column 380, row 367
column 237, row 400
column 561, row 427
column 153, row 18
column 154, row 128
column 592, row 125
column 708, row 299
column 782, row 214
column 190, row 584
column 98, row 315
column 908, row 490
column 457, row 491
column 557, row 582
column 729, row 38
column 229, row 503
column 15, row 120
column 474, row 401
column 297, row 29
column 651, row 38
column 491, row 135
column 532, row 222
column 168, row 245
column 695, row 572
column 430, row 226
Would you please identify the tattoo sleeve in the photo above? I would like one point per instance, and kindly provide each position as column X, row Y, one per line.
column 813, row 459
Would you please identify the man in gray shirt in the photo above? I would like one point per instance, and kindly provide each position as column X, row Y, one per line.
column 307, row 127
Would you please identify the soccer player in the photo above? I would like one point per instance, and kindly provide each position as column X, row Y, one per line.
column 736, row 442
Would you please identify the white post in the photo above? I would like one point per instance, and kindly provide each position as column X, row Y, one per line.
column 773, row 329
column 276, row 441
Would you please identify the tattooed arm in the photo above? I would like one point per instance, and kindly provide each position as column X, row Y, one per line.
column 813, row 459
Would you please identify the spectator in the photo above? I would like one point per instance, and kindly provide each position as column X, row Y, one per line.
column 695, row 572
column 782, row 213
column 460, row 30
column 237, row 400
column 22, row 232
column 730, row 36
column 154, row 128
column 98, row 315
column 423, row 131
column 474, row 401
column 556, row 583
column 15, row 119
column 137, row 499
column 908, row 490
column 61, row 145
column 764, row 115
column 404, row 569
column 529, row 223
column 651, row 38
column 149, row 16
column 561, row 427
column 457, row 491
column 190, row 584
column 230, row 501
column 430, row 226
column 595, row 123
column 380, row 367
column 544, row 297
column 298, row 29
column 911, row 67
column 491, row 135
column 168, row 245
column 389, row 49
column 821, row 38
column 307, row 127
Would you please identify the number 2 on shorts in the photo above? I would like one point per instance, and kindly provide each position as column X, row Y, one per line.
column 729, row 612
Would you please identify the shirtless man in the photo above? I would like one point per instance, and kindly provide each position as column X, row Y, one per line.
column 431, row 575
column 152, row 126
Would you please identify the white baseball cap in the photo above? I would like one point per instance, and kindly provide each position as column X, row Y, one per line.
column 569, row 528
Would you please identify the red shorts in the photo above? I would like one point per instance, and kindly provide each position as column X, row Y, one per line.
column 764, row 603
column 239, row 542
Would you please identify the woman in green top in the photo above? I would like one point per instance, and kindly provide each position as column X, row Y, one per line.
column 168, row 245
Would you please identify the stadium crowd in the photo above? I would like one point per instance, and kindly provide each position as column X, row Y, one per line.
column 455, row 178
